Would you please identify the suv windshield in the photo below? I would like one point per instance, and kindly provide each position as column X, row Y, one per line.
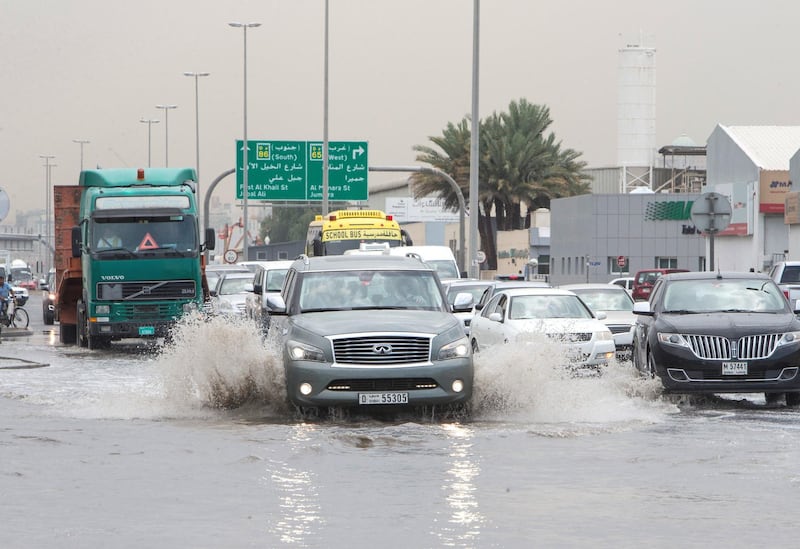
column 734, row 295
column 340, row 290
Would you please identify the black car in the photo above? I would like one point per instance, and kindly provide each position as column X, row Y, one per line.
column 706, row 332
column 48, row 298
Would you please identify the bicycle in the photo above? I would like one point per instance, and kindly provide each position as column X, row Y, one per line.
column 15, row 315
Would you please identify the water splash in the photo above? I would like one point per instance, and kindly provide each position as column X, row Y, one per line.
column 531, row 381
column 222, row 363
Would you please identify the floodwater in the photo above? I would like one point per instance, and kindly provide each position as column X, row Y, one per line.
column 192, row 446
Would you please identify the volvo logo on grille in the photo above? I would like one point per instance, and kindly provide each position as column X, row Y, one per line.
column 382, row 349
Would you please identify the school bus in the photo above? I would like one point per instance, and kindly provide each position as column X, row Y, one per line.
column 344, row 230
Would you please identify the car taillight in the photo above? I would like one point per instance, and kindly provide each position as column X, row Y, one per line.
column 786, row 294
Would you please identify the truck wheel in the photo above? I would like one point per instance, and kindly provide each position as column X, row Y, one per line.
column 97, row 342
column 67, row 334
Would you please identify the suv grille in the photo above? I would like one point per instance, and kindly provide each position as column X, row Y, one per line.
column 719, row 348
column 146, row 290
column 382, row 350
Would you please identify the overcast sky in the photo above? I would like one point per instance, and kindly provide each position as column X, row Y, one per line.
column 400, row 70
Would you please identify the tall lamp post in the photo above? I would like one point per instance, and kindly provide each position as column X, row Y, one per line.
column 166, row 109
column 47, row 158
column 81, row 142
column 197, row 75
column 149, row 122
column 245, row 190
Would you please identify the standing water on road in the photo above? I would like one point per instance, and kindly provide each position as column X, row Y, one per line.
column 192, row 445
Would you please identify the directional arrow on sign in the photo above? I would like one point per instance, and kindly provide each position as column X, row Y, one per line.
column 359, row 150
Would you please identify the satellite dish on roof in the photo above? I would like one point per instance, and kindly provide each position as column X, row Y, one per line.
column 5, row 204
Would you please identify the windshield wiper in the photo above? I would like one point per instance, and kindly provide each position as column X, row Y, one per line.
column 171, row 249
column 681, row 312
column 115, row 251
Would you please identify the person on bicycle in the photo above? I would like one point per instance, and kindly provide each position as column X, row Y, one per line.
column 6, row 293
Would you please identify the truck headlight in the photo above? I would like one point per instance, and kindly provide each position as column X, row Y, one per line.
column 303, row 351
column 456, row 349
column 102, row 309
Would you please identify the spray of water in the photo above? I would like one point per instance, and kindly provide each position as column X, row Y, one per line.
column 220, row 363
column 223, row 363
column 533, row 381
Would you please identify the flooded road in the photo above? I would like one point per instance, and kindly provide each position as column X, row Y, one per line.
column 193, row 446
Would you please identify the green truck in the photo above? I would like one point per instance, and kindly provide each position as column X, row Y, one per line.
column 128, row 255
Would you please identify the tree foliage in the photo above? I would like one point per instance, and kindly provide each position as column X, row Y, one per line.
column 287, row 224
column 520, row 163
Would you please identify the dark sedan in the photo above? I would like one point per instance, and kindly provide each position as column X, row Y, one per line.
column 719, row 333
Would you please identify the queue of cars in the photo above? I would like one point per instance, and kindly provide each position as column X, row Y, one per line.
column 365, row 330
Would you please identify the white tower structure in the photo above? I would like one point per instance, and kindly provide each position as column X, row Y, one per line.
column 636, row 115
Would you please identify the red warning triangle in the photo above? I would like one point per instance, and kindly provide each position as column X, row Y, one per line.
column 148, row 243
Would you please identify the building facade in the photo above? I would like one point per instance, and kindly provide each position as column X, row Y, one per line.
column 595, row 238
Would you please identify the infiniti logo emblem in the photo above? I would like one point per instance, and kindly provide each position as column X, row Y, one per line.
column 382, row 349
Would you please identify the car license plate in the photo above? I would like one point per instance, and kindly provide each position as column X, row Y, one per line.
column 734, row 368
column 147, row 330
column 383, row 398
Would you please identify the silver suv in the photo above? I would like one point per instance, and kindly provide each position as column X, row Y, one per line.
column 371, row 331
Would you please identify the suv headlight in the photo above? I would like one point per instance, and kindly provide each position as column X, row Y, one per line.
column 672, row 339
column 456, row 349
column 304, row 351
column 789, row 338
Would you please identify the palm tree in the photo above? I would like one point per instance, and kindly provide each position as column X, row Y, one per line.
column 519, row 164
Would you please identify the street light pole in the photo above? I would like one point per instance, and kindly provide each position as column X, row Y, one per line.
column 325, row 159
column 166, row 109
column 47, row 158
column 474, row 160
column 81, row 142
column 197, row 75
column 245, row 189
column 149, row 122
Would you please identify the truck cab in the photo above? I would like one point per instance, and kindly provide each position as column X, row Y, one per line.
column 128, row 254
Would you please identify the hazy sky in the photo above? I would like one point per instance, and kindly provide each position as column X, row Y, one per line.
column 400, row 70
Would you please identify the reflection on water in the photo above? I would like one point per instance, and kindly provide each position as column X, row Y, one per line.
column 300, row 517
column 464, row 525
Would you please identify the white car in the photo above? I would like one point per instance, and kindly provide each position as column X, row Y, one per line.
column 625, row 282
column 617, row 304
column 269, row 276
column 469, row 286
column 228, row 298
column 521, row 314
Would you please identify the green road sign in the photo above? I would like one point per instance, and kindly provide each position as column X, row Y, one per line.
column 292, row 170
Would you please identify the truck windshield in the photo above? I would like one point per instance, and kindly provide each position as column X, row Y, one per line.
column 157, row 236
